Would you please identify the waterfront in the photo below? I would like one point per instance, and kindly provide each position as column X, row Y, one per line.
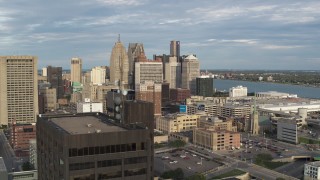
column 301, row 91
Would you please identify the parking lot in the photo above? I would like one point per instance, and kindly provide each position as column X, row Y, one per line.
column 189, row 162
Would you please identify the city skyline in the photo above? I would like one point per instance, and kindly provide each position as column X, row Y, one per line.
column 224, row 35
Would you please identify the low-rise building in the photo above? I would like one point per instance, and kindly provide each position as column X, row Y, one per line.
column 88, row 106
column 216, row 140
column 287, row 130
column 177, row 123
column 33, row 153
column 218, row 124
column 21, row 134
column 238, row 91
column 312, row 171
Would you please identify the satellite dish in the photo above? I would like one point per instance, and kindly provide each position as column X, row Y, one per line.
column 118, row 116
column 124, row 92
column 117, row 100
column 117, row 109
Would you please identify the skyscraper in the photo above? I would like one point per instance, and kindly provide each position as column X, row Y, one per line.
column 119, row 65
column 98, row 75
column 175, row 49
column 54, row 76
column 150, row 92
column 18, row 89
column 134, row 50
column 190, row 71
column 173, row 73
column 204, row 86
column 148, row 70
column 76, row 70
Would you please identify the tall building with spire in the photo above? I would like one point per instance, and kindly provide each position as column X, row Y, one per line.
column 255, row 120
column 119, row 65
column 134, row 50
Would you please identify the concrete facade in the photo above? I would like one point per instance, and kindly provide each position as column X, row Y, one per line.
column 91, row 146
column 190, row 71
column 177, row 123
column 150, row 92
column 76, row 70
column 173, row 73
column 238, row 91
column 18, row 89
column 216, row 140
column 287, row 130
column 312, row 171
column 146, row 70
column 98, row 75
column 119, row 65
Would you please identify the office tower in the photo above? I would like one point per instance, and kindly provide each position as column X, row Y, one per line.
column 54, row 76
column 148, row 70
column 151, row 92
column 76, row 70
column 21, row 134
column 18, row 89
column 179, row 95
column 173, row 73
column 119, row 65
column 49, row 98
column 134, row 50
column 165, row 94
column 33, row 153
column 190, row 71
column 204, row 85
column 98, row 75
column 44, row 72
column 175, row 49
column 92, row 146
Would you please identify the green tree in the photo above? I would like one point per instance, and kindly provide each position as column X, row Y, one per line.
column 177, row 143
column 196, row 177
column 176, row 174
column 26, row 166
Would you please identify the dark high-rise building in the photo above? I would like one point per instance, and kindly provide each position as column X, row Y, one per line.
column 175, row 49
column 204, row 86
column 54, row 75
column 91, row 146
column 165, row 94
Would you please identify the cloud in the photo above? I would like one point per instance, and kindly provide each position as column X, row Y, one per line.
column 280, row 47
column 121, row 2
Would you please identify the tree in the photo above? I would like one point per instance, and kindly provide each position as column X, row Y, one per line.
column 26, row 166
column 177, row 143
column 176, row 174
column 197, row 177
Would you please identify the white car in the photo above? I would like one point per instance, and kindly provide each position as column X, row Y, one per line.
column 194, row 155
column 183, row 156
column 189, row 167
column 173, row 162
column 165, row 157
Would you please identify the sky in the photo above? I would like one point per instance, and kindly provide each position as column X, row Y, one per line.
column 224, row 34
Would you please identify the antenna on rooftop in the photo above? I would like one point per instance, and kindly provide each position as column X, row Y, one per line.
column 118, row 37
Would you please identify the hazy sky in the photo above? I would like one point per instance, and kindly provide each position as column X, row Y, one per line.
column 225, row 34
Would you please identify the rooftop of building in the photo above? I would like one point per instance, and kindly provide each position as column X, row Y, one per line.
column 316, row 163
column 85, row 125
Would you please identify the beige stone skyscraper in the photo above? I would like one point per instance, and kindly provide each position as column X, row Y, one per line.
column 18, row 89
column 76, row 70
column 173, row 72
column 190, row 71
column 119, row 65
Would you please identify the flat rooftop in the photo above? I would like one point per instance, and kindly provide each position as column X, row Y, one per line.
column 85, row 125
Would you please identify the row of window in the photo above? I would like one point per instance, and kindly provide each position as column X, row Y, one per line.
column 105, row 163
column 105, row 149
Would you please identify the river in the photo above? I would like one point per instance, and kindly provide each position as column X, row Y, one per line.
column 301, row 91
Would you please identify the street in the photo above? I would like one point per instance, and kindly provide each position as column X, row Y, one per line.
column 8, row 155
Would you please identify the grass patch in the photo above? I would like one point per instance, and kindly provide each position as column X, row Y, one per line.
column 234, row 172
column 265, row 160
column 307, row 140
